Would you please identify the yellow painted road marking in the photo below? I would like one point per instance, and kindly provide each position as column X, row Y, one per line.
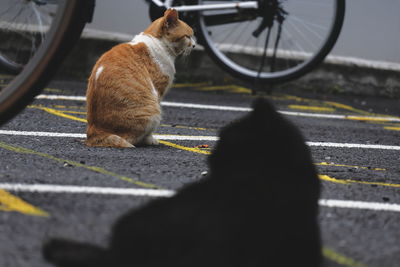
column 349, row 108
column 62, row 106
column 331, row 104
column 180, row 85
column 9, row 202
column 372, row 119
column 59, row 113
column 348, row 166
column 295, row 98
column 311, row 108
column 349, row 181
column 392, row 128
column 330, row 179
column 74, row 112
column 197, row 150
column 340, row 259
column 227, row 88
column 77, row 164
column 191, row 149
column 54, row 90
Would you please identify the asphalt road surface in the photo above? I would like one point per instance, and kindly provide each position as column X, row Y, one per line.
column 54, row 186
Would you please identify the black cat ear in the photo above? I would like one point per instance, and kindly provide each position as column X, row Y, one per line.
column 171, row 18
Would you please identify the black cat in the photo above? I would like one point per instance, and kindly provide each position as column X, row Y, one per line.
column 257, row 207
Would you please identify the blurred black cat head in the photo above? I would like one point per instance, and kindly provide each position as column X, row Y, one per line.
column 264, row 142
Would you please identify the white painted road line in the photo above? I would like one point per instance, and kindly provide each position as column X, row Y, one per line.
column 78, row 135
column 332, row 203
column 51, row 188
column 61, row 97
column 42, row 134
column 71, row 189
column 200, row 106
column 349, row 145
column 198, row 138
column 240, row 109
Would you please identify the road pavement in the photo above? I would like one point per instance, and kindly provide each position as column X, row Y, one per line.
column 54, row 186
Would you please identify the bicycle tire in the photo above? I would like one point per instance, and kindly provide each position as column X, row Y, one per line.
column 23, row 26
column 276, row 76
column 65, row 30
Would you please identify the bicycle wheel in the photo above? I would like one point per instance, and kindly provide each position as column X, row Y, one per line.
column 62, row 31
column 278, row 42
column 23, row 26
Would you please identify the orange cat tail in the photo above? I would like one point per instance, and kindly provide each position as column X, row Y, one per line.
column 104, row 139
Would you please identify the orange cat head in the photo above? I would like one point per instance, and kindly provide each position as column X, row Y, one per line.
column 173, row 31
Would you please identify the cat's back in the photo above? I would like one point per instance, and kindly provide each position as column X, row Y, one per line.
column 124, row 55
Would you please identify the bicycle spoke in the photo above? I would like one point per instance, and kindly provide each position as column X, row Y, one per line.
column 303, row 38
column 240, row 35
column 229, row 34
column 301, row 34
column 25, row 26
column 309, row 24
column 39, row 20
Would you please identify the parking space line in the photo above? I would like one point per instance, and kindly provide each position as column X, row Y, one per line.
column 64, row 113
column 196, row 138
column 100, row 170
column 51, row 188
column 42, row 134
column 340, row 259
column 349, row 166
column 240, row 109
column 59, row 113
column 80, row 135
column 351, row 204
column 311, row 108
column 350, row 181
column 162, row 139
column 191, row 149
column 392, row 128
column 350, row 145
column 201, row 138
column 9, row 202
column 226, row 88
column 61, row 97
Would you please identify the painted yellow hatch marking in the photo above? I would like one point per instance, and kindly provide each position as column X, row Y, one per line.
column 312, row 108
column 180, row 85
column 77, row 164
column 9, row 202
column 59, row 113
column 392, row 128
column 200, row 151
column 350, row 181
column 374, row 119
column 191, row 149
column 340, row 259
column 227, row 88
column 348, row 166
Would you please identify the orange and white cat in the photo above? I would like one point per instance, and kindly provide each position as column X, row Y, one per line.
column 128, row 82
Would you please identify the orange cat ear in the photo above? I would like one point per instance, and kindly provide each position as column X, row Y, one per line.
column 171, row 17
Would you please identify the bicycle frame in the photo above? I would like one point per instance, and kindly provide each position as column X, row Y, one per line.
column 236, row 5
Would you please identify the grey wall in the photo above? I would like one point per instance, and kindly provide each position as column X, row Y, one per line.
column 371, row 29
